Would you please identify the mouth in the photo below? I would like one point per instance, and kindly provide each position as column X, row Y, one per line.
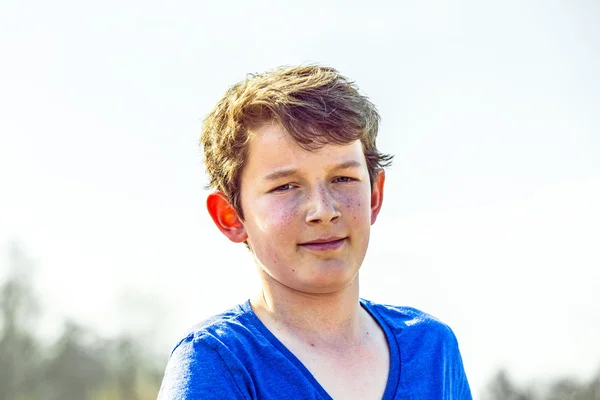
column 325, row 244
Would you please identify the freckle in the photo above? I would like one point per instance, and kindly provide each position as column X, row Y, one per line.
column 312, row 345
column 367, row 333
column 293, row 270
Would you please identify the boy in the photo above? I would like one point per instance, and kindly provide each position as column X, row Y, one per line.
column 297, row 177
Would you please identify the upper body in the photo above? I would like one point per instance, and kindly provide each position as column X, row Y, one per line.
column 297, row 176
column 234, row 356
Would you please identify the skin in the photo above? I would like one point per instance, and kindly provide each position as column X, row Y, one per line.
column 309, row 295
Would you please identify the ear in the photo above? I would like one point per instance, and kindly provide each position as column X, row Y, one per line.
column 377, row 195
column 225, row 217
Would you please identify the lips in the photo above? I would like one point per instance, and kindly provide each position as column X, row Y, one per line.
column 324, row 244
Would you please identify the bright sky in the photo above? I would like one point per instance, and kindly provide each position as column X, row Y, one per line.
column 491, row 220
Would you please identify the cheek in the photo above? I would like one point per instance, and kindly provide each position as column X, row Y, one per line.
column 277, row 217
column 354, row 203
column 272, row 229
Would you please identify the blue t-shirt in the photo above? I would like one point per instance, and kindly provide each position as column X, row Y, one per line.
column 234, row 356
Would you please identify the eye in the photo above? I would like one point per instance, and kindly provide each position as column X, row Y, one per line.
column 283, row 188
column 343, row 179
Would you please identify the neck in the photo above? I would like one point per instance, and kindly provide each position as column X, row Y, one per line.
column 328, row 318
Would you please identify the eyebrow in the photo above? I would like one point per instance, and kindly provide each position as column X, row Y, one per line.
column 284, row 173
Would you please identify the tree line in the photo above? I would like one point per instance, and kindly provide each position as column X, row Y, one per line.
column 502, row 387
column 78, row 365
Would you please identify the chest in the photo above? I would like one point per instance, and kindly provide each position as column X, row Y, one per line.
column 353, row 374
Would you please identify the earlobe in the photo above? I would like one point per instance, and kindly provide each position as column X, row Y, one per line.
column 225, row 217
column 377, row 195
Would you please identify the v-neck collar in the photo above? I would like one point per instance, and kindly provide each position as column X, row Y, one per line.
column 394, row 368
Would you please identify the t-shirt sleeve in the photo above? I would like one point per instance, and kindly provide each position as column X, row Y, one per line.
column 460, row 384
column 197, row 371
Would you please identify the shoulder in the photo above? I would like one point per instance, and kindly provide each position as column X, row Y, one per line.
column 204, row 361
column 228, row 330
column 221, row 325
column 428, row 348
column 408, row 321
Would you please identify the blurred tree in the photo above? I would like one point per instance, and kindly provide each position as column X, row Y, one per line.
column 592, row 390
column 128, row 369
column 77, row 367
column 501, row 388
column 19, row 351
column 563, row 389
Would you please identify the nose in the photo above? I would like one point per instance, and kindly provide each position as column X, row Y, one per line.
column 322, row 208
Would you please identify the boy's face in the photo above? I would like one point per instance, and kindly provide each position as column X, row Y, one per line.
column 307, row 214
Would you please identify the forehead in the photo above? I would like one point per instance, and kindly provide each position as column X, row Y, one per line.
column 271, row 147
